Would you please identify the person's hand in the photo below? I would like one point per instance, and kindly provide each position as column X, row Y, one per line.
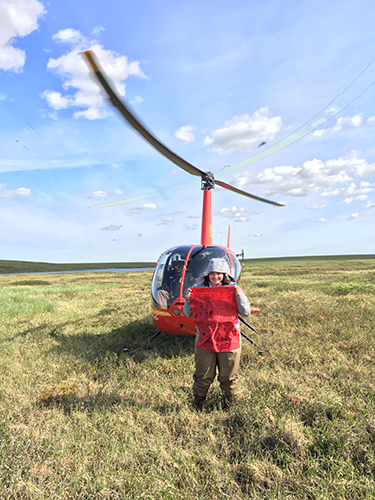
column 188, row 295
column 238, row 291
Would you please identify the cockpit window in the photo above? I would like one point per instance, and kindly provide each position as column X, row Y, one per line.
column 167, row 276
column 199, row 262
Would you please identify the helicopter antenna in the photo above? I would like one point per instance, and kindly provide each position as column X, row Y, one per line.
column 242, row 255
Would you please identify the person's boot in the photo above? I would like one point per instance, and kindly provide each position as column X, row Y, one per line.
column 198, row 402
column 229, row 401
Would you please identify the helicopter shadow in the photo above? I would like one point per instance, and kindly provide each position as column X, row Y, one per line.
column 133, row 339
column 106, row 351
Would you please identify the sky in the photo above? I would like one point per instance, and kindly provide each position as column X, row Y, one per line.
column 286, row 85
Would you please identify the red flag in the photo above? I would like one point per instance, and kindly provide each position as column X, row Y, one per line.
column 215, row 313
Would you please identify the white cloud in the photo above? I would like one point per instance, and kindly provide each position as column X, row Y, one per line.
column 355, row 121
column 81, row 91
column 191, row 227
column 110, row 228
column 68, row 35
column 103, row 194
column 137, row 99
column 237, row 214
column 370, row 204
column 18, row 18
column 364, row 187
column 257, row 235
column 167, row 221
column 179, row 212
column 349, row 200
column 98, row 194
column 353, row 216
column 56, row 100
column 341, row 122
column 91, row 114
column 97, row 30
column 371, row 120
column 320, row 132
column 322, row 219
column 185, row 133
column 147, row 206
column 318, row 204
column 6, row 195
column 350, row 191
column 244, row 133
column 312, row 176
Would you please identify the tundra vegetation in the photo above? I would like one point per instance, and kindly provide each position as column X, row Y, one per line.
column 82, row 418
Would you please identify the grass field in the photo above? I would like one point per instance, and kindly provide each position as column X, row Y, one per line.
column 81, row 419
column 19, row 266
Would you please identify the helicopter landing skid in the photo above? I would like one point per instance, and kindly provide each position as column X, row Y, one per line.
column 158, row 332
column 260, row 349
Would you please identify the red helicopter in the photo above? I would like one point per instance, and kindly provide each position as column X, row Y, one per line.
column 178, row 268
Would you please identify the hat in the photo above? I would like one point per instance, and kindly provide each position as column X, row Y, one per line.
column 218, row 265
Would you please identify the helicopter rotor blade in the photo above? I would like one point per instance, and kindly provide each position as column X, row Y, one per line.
column 93, row 64
column 244, row 193
column 133, row 121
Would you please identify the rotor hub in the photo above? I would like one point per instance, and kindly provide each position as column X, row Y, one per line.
column 207, row 181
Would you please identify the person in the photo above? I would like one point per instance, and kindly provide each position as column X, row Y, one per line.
column 218, row 342
column 171, row 283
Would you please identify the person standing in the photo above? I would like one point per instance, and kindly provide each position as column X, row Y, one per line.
column 214, row 303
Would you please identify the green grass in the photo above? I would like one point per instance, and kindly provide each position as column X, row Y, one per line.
column 18, row 266
column 82, row 419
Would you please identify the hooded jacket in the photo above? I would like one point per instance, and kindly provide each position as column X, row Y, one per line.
column 220, row 266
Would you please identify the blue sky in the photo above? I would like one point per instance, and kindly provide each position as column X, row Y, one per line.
column 218, row 82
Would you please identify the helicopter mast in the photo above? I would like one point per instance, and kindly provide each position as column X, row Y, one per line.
column 208, row 183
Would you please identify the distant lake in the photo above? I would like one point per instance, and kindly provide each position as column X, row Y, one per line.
column 115, row 270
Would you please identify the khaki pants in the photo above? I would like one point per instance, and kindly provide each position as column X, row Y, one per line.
column 205, row 370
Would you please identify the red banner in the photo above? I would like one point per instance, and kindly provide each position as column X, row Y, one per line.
column 215, row 313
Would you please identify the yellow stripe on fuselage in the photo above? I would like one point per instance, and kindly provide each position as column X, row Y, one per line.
column 158, row 312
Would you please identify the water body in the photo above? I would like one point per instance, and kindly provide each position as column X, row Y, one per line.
column 115, row 270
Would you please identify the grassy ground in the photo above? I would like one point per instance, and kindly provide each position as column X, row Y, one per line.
column 82, row 419
column 19, row 266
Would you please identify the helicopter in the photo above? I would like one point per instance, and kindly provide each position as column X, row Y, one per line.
column 178, row 268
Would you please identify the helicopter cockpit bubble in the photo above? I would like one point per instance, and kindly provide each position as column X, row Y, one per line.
column 179, row 268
